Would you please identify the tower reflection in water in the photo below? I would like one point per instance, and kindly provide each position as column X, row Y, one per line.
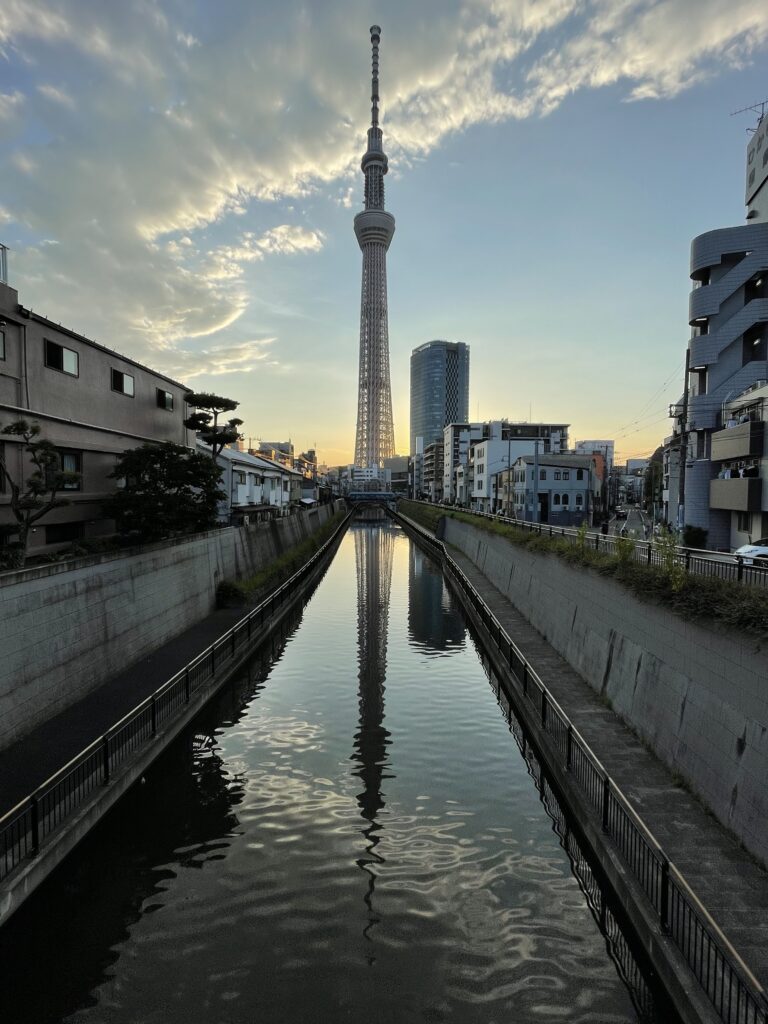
column 374, row 547
column 435, row 624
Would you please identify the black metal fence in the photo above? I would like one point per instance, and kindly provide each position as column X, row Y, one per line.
column 733, row 990
column 33, row 819
column 645, row 552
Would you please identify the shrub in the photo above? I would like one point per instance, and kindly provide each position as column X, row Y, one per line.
column 674, row 571
column 230, row 595
column 694, row 537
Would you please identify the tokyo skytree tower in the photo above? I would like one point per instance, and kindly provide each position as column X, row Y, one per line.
column 374, row 227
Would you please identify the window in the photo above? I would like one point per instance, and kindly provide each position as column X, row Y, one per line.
column 579, row 500
column 565, row 499
column 2, row 344
column 566, row 474
column 2, row 476
column 555, row 499
column 122, row 382
column 60, row 533
column 164, row 400
column 579, row 474
column 557, row 474
column 542, row 474
column 742, row 522
column 63, row 359
column 70, row 462
column 239, row 477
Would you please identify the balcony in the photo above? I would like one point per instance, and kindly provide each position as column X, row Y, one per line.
column 745, row 439
column 740, row 494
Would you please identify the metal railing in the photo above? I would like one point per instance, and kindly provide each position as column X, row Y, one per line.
column 26, row 826
column 697, row 561
column 736, row 994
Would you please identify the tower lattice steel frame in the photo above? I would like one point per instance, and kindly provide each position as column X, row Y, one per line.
column 374, row 227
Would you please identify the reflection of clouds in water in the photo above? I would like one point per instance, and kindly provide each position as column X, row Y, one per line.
column 475, row 916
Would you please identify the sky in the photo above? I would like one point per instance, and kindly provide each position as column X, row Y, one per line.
column 178, row 181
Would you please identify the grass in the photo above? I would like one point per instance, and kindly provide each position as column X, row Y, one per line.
column 736, row 605
column 251, row 589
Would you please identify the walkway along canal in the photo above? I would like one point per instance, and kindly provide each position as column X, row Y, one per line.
column 347, row 831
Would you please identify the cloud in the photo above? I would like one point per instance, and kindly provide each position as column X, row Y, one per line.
column 181, row 130
column 289, row 238
column 50, row 92
column 10, row 102
column 218, row 360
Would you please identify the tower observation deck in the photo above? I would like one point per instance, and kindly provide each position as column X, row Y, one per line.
column 374, row 227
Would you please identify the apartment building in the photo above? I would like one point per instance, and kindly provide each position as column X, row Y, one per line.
column 256, row 488
column 91, row 402
column 558, row 489
column 727, row 354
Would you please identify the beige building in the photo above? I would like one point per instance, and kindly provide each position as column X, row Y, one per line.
column 90, row 402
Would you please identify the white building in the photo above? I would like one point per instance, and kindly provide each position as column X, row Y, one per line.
column 604, row 448
column 500, row 443
column 562, row 486
column 255, row 488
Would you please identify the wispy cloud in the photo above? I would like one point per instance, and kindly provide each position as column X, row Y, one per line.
column 181, row 130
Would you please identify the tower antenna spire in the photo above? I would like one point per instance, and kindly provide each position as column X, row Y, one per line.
column 374, row 227
column 375, row 37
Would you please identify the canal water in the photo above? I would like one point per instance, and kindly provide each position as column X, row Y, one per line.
column 347, row 833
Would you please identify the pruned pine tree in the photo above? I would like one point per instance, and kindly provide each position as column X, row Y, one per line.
column 205, row 421
column 33, row 497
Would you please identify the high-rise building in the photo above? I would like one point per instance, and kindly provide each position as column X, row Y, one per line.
column 722, row 468
column 374, row 227
column 439, row 389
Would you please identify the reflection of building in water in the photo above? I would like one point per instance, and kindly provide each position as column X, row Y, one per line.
column 434, row 622
column 374, row 546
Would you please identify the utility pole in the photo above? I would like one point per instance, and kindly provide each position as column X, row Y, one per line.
column 683, row 445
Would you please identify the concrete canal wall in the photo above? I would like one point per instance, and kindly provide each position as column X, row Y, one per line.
column 66, row 628
column 697, row 694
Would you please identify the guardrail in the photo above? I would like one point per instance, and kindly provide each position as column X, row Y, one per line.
column 735, row 993
column 25, row 827
column 698, row 561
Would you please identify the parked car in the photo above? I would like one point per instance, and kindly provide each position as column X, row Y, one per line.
column 755, row 553
column 621, row 513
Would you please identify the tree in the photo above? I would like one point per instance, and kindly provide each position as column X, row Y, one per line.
column 206, row 420
column 168, row 490
column 35, row 497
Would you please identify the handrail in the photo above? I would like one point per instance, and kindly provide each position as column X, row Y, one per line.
column 749, row 1003
column 38, row 815
column 699, row 561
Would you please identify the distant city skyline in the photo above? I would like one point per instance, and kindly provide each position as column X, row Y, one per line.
column 178, row 187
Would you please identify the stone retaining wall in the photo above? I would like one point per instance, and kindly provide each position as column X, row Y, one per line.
column 696, row 693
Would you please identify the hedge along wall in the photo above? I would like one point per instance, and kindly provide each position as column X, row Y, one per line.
column 696, row 693
column 64, row 629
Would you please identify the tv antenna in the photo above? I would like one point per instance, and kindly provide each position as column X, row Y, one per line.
column 758, row 108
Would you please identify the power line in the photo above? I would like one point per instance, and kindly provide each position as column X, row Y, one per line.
column 657, row 393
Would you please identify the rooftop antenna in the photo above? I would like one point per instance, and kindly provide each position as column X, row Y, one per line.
column 756, row 108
